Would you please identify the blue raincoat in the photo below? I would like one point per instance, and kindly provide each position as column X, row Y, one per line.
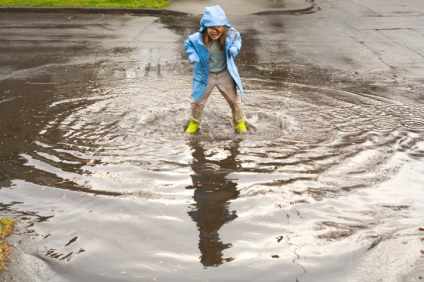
column 199, row 54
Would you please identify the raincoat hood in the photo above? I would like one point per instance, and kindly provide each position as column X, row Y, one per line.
column 213, row 16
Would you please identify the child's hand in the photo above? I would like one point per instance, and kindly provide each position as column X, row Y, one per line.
column 193, row 58
column 233, row 51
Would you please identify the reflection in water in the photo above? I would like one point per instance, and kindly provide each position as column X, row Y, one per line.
column 212, row 194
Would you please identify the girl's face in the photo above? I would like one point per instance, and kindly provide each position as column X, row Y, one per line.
column 213, row 33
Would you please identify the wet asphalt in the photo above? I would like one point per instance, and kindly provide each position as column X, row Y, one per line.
column 360, row 39
column 373, row 48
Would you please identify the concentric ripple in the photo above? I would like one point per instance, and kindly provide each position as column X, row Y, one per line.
column 305, row 136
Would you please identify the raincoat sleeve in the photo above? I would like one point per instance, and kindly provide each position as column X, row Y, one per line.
column 235, row 45
column 193, row 57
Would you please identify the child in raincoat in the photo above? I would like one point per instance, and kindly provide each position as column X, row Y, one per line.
column 212, row 50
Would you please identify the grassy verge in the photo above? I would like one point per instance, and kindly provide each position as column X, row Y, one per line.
column 160, row 4
column 6, row 227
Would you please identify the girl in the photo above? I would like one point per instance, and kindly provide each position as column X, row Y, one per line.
column 212, row 50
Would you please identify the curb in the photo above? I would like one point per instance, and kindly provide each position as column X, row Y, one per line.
column 92, row 10
column 130, row 11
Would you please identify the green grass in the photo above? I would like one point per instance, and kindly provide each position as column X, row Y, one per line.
column 6, row 227
column 87, row 3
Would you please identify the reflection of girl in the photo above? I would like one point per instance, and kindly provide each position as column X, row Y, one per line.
column 212, row 196
column 212, row 50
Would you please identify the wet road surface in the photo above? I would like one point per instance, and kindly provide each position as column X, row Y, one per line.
column 327, row 184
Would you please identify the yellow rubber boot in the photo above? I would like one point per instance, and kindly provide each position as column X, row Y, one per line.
column 192, row 127
column 241, row 127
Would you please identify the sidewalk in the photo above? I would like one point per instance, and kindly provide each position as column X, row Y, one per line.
column 242, row 7
column 184, row 7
